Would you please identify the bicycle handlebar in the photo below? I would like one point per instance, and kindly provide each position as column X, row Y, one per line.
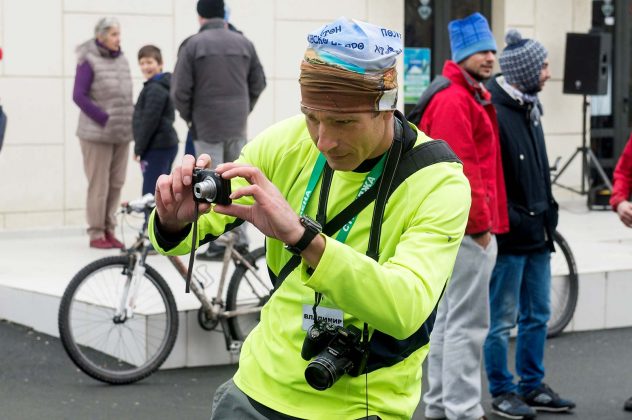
column 140, row 205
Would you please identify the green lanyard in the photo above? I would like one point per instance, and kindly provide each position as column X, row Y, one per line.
column 319, row 166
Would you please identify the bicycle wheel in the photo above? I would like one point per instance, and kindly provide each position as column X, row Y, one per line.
column 248, row 289
column 564, row 286
column 111, row 349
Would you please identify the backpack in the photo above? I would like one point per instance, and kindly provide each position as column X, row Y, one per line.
column 438, row 84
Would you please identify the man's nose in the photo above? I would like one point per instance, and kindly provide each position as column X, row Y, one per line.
column 326, row 141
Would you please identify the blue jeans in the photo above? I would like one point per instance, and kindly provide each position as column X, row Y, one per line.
column 189, row 148
column 156, row 162
column 519, row 291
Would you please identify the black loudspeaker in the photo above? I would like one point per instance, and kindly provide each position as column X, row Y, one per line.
column 586, row 63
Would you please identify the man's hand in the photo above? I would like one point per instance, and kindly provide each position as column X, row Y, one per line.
column 483, row 240
column 624, row 210
column 270, row 213
column 174, row 195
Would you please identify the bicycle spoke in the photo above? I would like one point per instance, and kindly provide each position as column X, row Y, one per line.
column 133, row 346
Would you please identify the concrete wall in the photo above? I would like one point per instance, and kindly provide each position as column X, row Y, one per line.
column 41, row 174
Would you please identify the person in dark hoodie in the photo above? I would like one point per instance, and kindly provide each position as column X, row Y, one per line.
column 155, row 139
column 521, row 280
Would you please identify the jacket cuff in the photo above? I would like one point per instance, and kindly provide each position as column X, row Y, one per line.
column 479, row 234
column 168, row 241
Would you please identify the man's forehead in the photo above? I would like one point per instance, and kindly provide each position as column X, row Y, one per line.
column 331, row 114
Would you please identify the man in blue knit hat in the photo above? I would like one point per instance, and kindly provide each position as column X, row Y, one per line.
column 521, row 280
column 462, row 114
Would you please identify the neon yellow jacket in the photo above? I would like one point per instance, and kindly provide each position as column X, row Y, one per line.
column 422, row 229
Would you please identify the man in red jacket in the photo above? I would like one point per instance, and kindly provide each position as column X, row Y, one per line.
column 619, row 200
column 463, row 115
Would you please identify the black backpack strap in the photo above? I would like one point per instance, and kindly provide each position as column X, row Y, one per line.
column 438, row 84
column 385, row 350
column 413, row 160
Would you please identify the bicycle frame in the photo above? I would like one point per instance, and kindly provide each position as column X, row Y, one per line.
column 212, row 307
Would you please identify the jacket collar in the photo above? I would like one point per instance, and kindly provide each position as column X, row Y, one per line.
column 105, row 51
column 505, row 94
column 457, row 75
column 213, row 23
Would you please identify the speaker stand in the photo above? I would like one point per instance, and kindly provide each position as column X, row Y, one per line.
column 588, row 159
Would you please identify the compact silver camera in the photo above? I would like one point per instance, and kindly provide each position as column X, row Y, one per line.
column 210, row 187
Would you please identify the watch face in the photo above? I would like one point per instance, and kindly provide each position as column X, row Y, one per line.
column 311, row 224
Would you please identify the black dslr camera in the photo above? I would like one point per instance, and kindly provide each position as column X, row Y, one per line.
column 336, row 351
column 210, row 187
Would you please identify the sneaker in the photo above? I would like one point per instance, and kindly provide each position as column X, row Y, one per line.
column 214, row 252
column 627, row 406
column 511, row 406
column 543, row 398
column 101, row 243
column 115, row 242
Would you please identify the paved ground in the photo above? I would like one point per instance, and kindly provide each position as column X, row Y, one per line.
column 37, row 380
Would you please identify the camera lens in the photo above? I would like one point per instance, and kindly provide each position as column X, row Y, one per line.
column 326, row 369
column 320, row 374
column 205, row 190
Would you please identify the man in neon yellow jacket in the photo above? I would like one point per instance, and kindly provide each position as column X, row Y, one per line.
column 350, row 130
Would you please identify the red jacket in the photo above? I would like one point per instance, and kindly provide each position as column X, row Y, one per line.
column 464, row 116
column 622, row 177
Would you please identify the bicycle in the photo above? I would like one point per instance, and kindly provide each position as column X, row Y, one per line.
column 564, row 278
column 564, row 286
column 118, row 320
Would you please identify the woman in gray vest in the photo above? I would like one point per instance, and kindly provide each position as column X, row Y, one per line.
column 103, row 92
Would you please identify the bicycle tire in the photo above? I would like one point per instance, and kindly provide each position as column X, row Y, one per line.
column 245, row 290
column 97, row 344
column 564, row 286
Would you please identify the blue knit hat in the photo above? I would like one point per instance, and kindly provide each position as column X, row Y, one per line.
column 521, row 61
column 469, row 36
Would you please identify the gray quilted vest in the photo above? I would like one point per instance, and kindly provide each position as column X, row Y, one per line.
column 111, row 90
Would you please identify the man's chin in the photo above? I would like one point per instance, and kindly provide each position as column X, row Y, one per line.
column 341, row 164
column 482, row 76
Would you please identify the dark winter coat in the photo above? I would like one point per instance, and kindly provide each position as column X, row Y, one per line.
column 217, row 81
column 153, row 116
column 532, row 209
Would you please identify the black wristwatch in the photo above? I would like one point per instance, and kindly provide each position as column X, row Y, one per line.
column 312, row 228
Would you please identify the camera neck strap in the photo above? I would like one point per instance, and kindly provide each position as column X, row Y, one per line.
column 319, row 168
column 387, row 168
column 403, row 140
column 187, row 282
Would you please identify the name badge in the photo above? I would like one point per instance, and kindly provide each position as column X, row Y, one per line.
column 331, row 315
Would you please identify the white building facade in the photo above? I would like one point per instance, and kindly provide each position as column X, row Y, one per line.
column 42, row 184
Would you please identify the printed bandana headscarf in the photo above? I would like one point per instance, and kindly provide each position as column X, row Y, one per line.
column 349, row 66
